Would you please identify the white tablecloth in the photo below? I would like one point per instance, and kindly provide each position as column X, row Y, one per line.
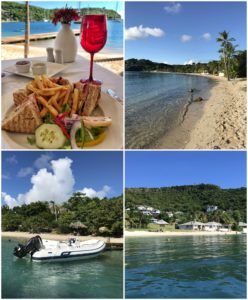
column 74, row 72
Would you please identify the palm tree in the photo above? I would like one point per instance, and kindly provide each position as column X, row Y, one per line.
column 226, row 44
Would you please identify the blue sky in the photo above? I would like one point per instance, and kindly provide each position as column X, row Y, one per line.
column 198, row 22
column 75, row 4
column 95, row 173
column 156, row 169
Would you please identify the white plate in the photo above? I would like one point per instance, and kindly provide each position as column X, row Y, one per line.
column 52, row 69
column 111, row 108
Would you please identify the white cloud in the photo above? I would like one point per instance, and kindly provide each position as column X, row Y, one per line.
column 23, row 172
column 55, row 185
column 5, row 176
column 186, row 38
column 165, row 62
column 43, row 161
column 91, row 193
column 11, row 202
column 207, row 36
column 173, row 8
column 190, row 62
column 140, row 32
column 12, row 160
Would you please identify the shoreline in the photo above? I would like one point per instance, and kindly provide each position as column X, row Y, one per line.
column 180, row 233
column 59, row 237
column 216, row 123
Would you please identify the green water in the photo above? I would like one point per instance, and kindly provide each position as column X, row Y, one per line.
column 186, row 267
column 99, row 277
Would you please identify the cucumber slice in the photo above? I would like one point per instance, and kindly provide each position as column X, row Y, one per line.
column 49, row 136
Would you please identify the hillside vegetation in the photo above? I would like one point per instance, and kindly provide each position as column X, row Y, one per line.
column 13, row 11
column 212, row 67
column 192, row 201
column 97, row 217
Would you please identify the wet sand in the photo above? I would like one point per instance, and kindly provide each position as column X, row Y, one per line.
column 218, row 123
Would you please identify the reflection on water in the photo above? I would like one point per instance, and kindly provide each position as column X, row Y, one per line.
column 156, row 103
column 186, row 267
column 99, row 277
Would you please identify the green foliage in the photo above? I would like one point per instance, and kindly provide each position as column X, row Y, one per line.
column 13, row 11
column 47, row 216
column 237, row 66
column 191, row 200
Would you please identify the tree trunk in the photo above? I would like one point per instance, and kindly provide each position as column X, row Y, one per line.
column 27, row 31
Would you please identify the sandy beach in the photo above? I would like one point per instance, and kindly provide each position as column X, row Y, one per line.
column 58, row 237
column 223, row 122
column 176, row 233
column 14, row 51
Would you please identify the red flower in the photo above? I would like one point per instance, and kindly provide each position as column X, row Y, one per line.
column 65, row 16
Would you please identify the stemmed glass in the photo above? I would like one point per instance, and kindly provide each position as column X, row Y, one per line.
column 93, row 37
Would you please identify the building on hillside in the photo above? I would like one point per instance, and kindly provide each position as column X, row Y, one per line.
column 148, row 210
column 192, row 225
column 211, row 208
column 169, row 214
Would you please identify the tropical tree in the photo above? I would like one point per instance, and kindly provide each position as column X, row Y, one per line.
column 227, row 50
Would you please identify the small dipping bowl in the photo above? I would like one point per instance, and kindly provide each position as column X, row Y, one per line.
column 39, row 68
column 23, row 66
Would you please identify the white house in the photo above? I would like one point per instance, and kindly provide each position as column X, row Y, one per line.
column 193, row 225
column 212, row 226
column 169, row 214
column 211, row 208
column 244, row 226
column 221, row 74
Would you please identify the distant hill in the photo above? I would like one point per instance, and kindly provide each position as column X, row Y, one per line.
column 189, row 199
column 13, row 11
column 212, row 67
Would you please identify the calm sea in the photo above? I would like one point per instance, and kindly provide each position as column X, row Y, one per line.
column 156, row 104
column 186, row 267
column 114, row 41
column 99, row 277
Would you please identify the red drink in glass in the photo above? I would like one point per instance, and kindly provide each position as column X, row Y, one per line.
column 93, row 36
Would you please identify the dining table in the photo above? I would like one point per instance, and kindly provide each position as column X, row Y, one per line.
column 112, row 84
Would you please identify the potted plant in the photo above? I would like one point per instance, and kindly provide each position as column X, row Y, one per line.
column 65, row 39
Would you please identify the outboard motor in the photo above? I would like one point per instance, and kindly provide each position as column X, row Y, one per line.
column 33, row 245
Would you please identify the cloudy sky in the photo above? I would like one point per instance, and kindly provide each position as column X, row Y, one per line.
column 157, row 169
column 181, row 32
column 44, row 176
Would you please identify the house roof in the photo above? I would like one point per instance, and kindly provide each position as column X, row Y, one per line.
column 213, row 223
column 193, row 223
column 161, row 222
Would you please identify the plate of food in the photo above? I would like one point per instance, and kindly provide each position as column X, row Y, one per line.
column 54, row 113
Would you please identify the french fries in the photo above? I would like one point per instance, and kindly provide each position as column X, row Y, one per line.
column 75, row 101
column 49, row 107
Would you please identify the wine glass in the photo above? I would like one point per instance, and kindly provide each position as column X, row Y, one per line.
column 93, row 37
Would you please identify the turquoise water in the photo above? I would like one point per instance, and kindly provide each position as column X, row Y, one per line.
column 114, row 41
column 99, row 277
column 186, row 267
column 156, row 102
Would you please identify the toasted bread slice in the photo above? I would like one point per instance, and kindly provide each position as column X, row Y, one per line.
column 25, row 118
column 20, row 96
column 94, row 94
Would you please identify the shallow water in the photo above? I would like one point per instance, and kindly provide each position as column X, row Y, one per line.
column 114, row 41
column 99, row 277
column 156, row 104
column 186, row 267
